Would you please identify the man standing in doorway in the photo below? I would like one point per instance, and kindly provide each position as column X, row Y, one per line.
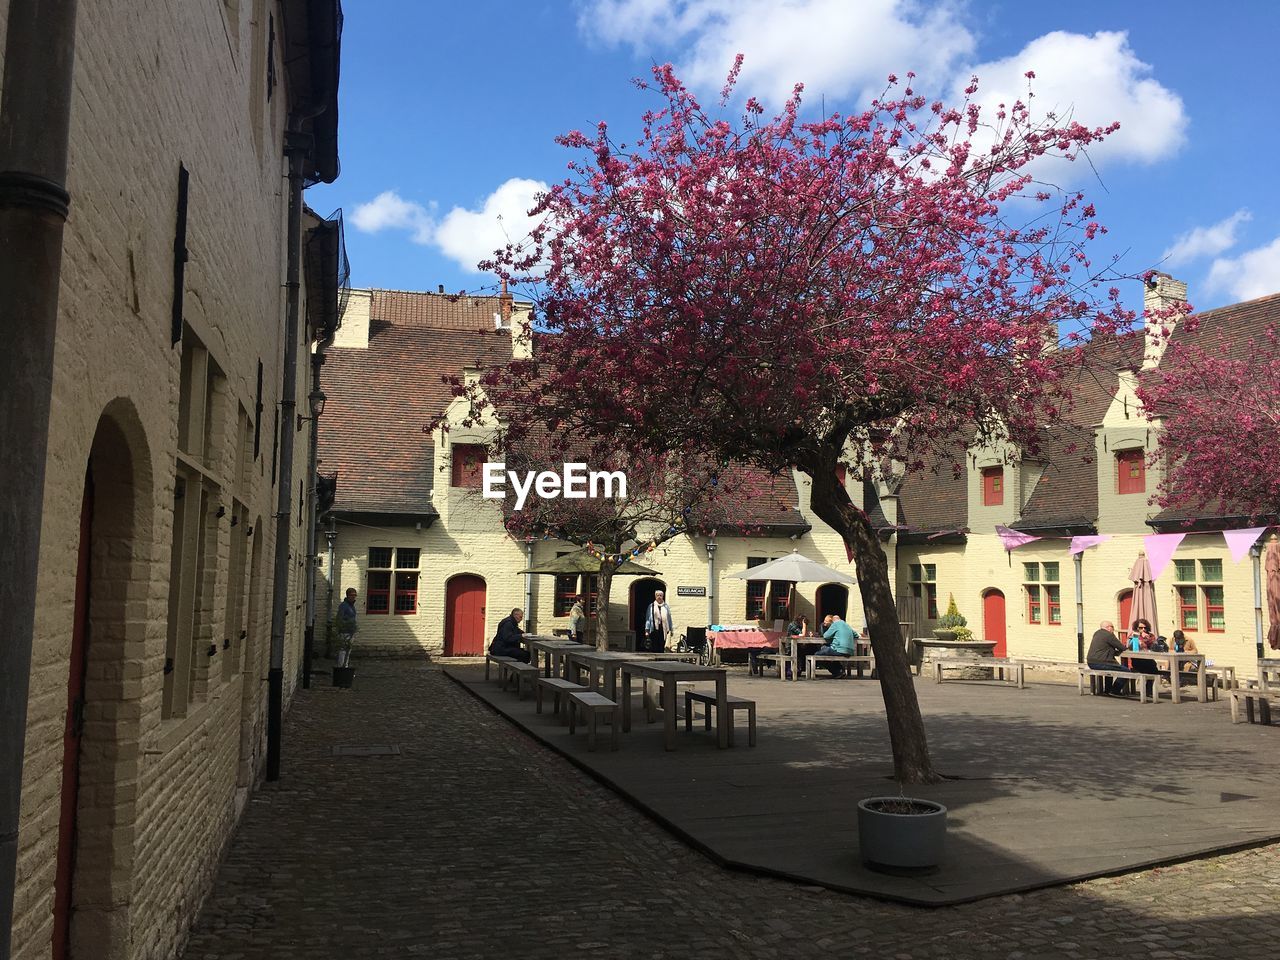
column 659, row 627
column 346, row 626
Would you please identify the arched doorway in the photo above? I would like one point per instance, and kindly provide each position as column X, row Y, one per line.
column 642, row 592
column 464, row 616
column 108, row 630
column 993, row 621
column 833, row 598
column 1125, row 601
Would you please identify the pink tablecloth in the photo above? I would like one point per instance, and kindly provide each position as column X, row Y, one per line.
column 744, row 639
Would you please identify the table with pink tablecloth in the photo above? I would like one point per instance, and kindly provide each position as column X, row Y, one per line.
column 745, row 639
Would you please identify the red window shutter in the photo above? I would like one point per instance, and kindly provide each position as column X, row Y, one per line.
column 1131, row 472
column 468, row 465
column 993, row 486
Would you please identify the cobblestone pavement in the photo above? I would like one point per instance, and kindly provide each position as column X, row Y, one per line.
column 434, row 853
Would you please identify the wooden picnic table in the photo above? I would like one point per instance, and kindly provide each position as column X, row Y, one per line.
column 601, row 665
column 553, row 649
column 1174, row 662
column 668, row 673
column 789, row 651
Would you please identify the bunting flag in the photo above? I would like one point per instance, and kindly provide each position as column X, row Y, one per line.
column 1081, row 544
column 1160, row 547
column 1013, row 538
column 1239, row 541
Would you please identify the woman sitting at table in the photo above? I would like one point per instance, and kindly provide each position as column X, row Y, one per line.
column 1142, row 639
column 1182, row 644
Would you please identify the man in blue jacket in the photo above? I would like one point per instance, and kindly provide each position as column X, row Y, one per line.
column 506, row 643
column 841, row 640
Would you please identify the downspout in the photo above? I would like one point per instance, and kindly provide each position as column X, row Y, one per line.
column 528, row 586
column 1079, row 608
column 296, row 147
column 35, row 121
column 1256, row 553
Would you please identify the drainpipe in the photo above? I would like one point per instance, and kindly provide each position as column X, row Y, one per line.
column 296, row 147
column 528, row 587
column 711, row 579
column 35, row 119
column 1079, row 608
column 1256, row 553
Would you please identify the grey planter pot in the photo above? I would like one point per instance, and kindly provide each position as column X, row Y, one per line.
column 902, row 842
column 947, row 636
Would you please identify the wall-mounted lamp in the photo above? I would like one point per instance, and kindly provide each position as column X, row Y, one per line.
column 222, row 512
column 213, row 650
column 249, row 531
column 316, row 399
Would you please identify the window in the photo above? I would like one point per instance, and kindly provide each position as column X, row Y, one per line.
column 1131, row 472
column 1189, row 591
column 993, row 486
column 780, row 600
column 566, row 587
column 756, row 590
column 1043, row 592
column 468, row 465
column 924, row 588
column 388, row 568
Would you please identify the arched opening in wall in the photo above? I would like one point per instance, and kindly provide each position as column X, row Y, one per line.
column 1124, row 605
column 101, row 749
column 253, row 677
column 464, row 616
column 641, row 598
column 832, row 598
column 993, row 621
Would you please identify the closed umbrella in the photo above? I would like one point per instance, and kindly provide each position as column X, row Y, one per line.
column 795, row 568
column 1273, row 592
column 1144, row 594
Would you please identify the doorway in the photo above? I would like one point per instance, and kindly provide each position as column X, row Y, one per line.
column 833, row 598
column 993, row 621
column 1126, row 612
column 642, row 593
column 464, row 616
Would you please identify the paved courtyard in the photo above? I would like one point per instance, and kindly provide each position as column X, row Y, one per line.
column 475, row 841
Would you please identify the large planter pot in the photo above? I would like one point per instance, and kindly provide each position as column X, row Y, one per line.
column 344, row 677
column 947, row 636
column 901, row 834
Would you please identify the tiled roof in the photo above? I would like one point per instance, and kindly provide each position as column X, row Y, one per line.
column 379, row 399
column 460, row 311
column 1066, row 495
column 756, row 499
column 934, row 499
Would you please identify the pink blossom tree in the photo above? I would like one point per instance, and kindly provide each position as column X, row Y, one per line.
column 800, row 294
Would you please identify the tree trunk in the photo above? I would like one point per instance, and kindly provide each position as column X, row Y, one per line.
column 602, row 605
column 907, row 738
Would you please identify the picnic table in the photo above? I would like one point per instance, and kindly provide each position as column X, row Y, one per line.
column 552, row 648
column 601, row 665
column 668, row 673
column 1174, row 661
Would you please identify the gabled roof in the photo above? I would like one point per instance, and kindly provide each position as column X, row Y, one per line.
column 1066, row 494
column 934, row 499
column 460, row 311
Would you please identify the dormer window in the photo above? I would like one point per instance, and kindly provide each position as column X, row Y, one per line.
column 1131, row 472
column 993, row 486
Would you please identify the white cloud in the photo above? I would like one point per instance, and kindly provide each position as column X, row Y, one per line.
column 1255, row 273
column 1094, row 80
column 469, row 236
column 1206, row 241
column 390, row 211
column 835, row 47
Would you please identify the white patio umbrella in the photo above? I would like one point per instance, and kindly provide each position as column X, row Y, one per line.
column 794, row 568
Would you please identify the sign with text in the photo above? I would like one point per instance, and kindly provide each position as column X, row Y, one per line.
column 691, row 591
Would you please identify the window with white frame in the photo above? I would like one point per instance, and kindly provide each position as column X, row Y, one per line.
column 1041, row 586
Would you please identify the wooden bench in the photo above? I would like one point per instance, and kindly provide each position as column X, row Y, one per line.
column 709, row 700
column 814, row 659
column 1249, row 695
column 490, row 658
column 558, row 688
column 522, row 673
column 1143, row 680
column 592, row 705
column 1009, row 671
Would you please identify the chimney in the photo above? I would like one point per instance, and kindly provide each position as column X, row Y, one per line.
column 1164, row 303
column 440, row 288
column 354, row 331
column 505, row 300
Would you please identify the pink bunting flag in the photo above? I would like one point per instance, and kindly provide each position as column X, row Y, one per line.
column 1160, row 548
column 1013, row 538
column 1239, row 541
column 1081, row 544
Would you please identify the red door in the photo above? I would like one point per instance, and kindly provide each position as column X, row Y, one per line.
column 993, row 621
column 464, row 617
column 72, row 730
column 1126, row 614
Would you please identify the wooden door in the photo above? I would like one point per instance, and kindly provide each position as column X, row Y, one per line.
column 73, row 727
column 464, row 617
column 993, row 621
column 1126, row 614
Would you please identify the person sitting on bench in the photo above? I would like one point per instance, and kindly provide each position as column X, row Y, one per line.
column 506, row 642
column 1102, row 656
column 841, row 640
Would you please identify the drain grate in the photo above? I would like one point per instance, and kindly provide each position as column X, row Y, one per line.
column 378, row 750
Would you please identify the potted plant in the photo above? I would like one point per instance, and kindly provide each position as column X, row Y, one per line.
column 901, row 834
column 951, row 622
column 343, row 673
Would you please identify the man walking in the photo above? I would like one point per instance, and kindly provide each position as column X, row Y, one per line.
column 346, row 625
column 659, row 627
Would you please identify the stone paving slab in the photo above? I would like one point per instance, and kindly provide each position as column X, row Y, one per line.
column 1054, row 787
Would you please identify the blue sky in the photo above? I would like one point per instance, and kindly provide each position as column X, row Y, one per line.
column 449, row 111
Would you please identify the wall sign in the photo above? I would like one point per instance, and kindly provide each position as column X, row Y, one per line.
column 691, row 591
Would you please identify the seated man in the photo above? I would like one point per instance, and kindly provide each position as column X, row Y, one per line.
column 841, row 640
column 506, row 642
column 1102, row 656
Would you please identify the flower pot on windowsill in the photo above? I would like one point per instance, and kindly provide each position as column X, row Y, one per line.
column 343, row 677
column 904, row 835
